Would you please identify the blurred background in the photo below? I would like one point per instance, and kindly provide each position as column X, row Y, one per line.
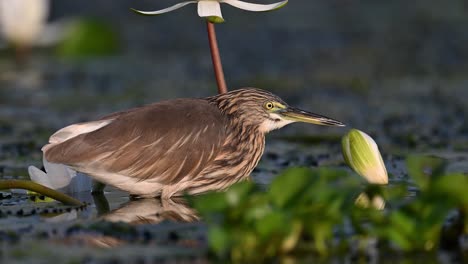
column 395, row 69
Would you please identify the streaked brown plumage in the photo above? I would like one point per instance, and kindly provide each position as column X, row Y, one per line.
column 177, row 146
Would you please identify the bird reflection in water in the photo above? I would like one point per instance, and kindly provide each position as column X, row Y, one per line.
column 152, row 211
column 134, row 212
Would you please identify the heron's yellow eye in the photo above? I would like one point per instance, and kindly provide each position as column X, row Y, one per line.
column 269, row 105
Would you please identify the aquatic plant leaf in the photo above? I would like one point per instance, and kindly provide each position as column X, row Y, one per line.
column 87, row 38
column 238, row 192
column 289, row 185
column 453, row 186
column 422, row 168
column 274, row 222
column 210, row 203
column 219, row 239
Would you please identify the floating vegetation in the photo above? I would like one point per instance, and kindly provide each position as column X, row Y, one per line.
column 313, row 211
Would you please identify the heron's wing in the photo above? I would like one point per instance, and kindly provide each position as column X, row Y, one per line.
column 163, row 142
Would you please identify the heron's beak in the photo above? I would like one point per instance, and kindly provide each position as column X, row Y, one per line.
column 298, row 115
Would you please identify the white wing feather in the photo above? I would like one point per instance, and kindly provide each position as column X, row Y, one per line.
column 59, row 176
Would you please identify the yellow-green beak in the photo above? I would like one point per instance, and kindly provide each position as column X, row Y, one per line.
column 298, row 115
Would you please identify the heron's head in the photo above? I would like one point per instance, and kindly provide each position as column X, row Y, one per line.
column 264, row 110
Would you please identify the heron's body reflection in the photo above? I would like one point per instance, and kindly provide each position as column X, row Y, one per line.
column 134, row 212
column 152, row 211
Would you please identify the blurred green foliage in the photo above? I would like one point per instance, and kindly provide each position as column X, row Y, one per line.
column 313, row 211
column 87, row 38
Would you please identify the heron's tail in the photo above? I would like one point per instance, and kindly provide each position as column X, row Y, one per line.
column 60, row 177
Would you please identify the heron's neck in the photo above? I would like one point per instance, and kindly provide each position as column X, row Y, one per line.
column 249, row 141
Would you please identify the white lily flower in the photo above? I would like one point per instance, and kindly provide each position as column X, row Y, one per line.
column 211, row 9
column 362, row 155
column 21, row 21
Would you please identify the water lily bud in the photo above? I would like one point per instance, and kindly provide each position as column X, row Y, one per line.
column 362, row 154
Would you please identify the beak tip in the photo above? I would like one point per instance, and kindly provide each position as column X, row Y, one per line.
column 340, row 124
column 335, row 123
column 299, row 115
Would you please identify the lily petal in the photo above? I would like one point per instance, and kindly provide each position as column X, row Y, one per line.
column 255, row 7
column 165, row 10
column 210, row 10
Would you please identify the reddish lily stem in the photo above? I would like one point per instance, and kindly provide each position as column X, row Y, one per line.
column 216, row 58
column 21, row 54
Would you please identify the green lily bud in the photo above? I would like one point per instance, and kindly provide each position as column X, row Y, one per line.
column 362, row 154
